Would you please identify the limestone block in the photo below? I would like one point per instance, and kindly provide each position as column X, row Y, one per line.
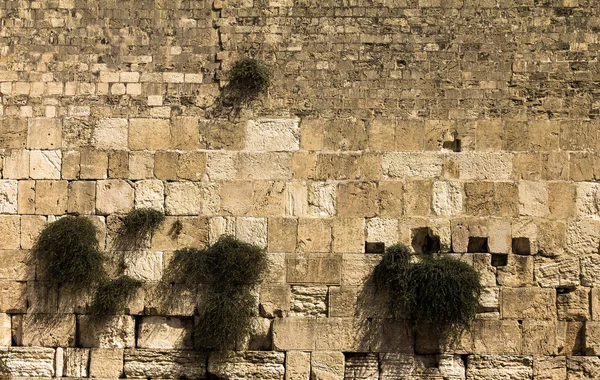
column 517, row 272
column 162, row 298
column 551, row 237
column 549, row 367
column 592, row 338
column 268, row 166
column 496, row 337
column 484, row 166
column 391, row 198
column 5, row 330
column 561, row 200
column 76, row 362
column 8, row 196
column 259, row 365
column 14, row 264
column 349, row 166
column 282, row 234
column 345, row 134
column 16, row 164
column 533, row 199
column 304, row 165
column 118, row 164
column 499, row 240
column 405, row 165
column 13, row 296
column 294, row 333
column 268, row 198
column 150, row 194
column 381, row 335
column 165, row 165
column 297, row 365
column 143, row 266
column 221, row 165
column 219, row 226
column 140, row 165
column 489, row 300
column 348, row 235
column 530, row 302
column 314, row 235
column 447, row 198
column 539, row 337
column 573, row 305
column 10, row 225
column 527, row 166
column 113, row 196
column 362, row 367
column 482, row 263
column 274, row 300
column 106, row 362
column 72, row 298
column 252, row 230
column 14, row 133
column 460, row 237
column 31, row 361
column 94, row 164
column 506, row 199
column 276, row 271
column 583, row 368
column 321, row 199
column 583, row 237
column 417, row 198
column 183, row 198
column 42, row 297
column 356, row 199
column 150, row 134
column 82, row 197
column 44, row 133
column 278, row 135
column 166, row 364
column 165, row 332
column 219, row 134
column 26, row 197
column 327, row 365
column 478, row 196
column 51, row 197
column 235, row 197
column 184, row 132
column 110, row 134
column 342, row 301
column 191, row 166
column 297, row 201
column 499, row 367
column 570, row 336
column 111, row 332
column 308, row 301
column 382, row 230
column 193, row 233
column 558, row 272
column 45, row 164
column 587, row 200
column 50, row 330
column 381, row 133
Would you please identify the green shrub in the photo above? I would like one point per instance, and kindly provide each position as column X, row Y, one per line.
column 228, row 268
column 443, row 291
column 68, row 251
column 112, row 296
column 249, row 76
column 139, row 224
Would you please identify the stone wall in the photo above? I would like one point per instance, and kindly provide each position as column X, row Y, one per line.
column 471, row 120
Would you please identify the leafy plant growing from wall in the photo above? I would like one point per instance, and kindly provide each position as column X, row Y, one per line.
column 112, row 296
column 138, row 224
column 439, row 290
column 228, row 268
column 249, row 77
column 67, row 250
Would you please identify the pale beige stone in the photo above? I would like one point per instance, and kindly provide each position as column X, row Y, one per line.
column 44, row 133
column 587, row 200
column 348, row 235
column 221, row 165
column 484, row 166
column 321, row 198
column 113, row 196
column 282, row 234
column 183, row 198
column 530, row 302
column 143, row 266
column 50, row 330
column 499, row 367
column 297, row 365
column 500, row 240
column 583, row 237
column 408, row 165
column 150, row 194
column 278, row 135
column 31, row 361
column 557, row 272
column 106, row 362
column 5, row 330
column 51, row 197
column 184, row 129
column 45, row 164
column 26, row 197
column 271, row 165
column 549, row 368
column 76, row 362
column 165, row 333
column 13, row 296
column 294, row 333
column 161, row 364
column 327, row 365
column 16, row 164
column 31, row 226
column 447, row 198
column 318, row 268
column 8, row 196
column 219, row 226
column 94, row 164
column 533, row 199
column 151, row 134
column 141, row 165
column 382, row 230
column 496, row 337
column 252, row 230
column 314, row 235
column 82, row 197
column 260, row 365
column 358, row 267
column 111, row 332
column 110, row 133
column 71, row 164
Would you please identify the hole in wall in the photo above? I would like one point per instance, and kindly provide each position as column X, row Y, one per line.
column 499, row 259
column 478, row 245
column 374, row 247
column 565, row 290
column 424, row 241
column 457, row 145
column 521, row 246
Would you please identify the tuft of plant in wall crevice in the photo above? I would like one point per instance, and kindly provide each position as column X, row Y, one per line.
column 112, row 296
column 249, row 77
column 228, row 269
column 67, row 250
column 438, row 290
column 138, row 225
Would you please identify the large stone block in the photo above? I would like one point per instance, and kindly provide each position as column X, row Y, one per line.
column 530, row 302
column 184, row 133
column 82, row 197
column 191, row 198
column 447, row 198
column 113, row 196
column 321, row 199
column 16, row 164
column 540, row 337
column 49, row 330
column 13, row 296
column 357, row 199
column 8, row 196
column 357, row 268
column 573, row 305
column 15, row 265
column 110, row 134
column 549, row 368
column 274, row 300
column 344, row 134
column 279, row 135
column 297, row 365
column 348, row 166
column 180, row 232
column 221, row 165
column 106, row 362
column 405, row 165
column 165, row 332
column 93, row 164
column 165, row 364
column 327, row 365
column 109, row 332
column 317, row 268
column 151, row 134
column 150, row 194
column 294, row 333
column 45, row 164
column 268, row 166
column 5, row 330
column 268, row 198
column 391, row 199
column 583, row 368
column 557, row 272
column 561, row 200
column 417, row 198
column 252, row 231
column 75, row 362
column 308, row 301
column 497, row 337
column 259, row 365
column 314, row 235
column 533, row 199
column 220, row 134
column 499, row 367
column 143, row 266
column 583, row 237
column 592, row 338
column 13, row 133
column 484, row 166
column 282, row 234
column 51, row 197
column 31, row 361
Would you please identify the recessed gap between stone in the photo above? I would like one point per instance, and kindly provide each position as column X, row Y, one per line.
column 478, row 245
column 374, row 247
column 424, row 241
column 499, row 259
column 521, row 246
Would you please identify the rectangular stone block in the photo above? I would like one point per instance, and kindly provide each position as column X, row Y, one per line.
column 327, row 365
column 184, row 133
column 314, row 235
column 278, row 135
column 294, row 333
column 13, row 296
column 318, row 268
column 499, row 366
column 82, row 197
column 31, row 361
column 110, row 332
column 45, row 164
column 165, row 333
column 282, row 234
column 403, row 165
column 149, row 134
column 165, row 364
column 51, row 197
column 49, row 330
column 113, row 196
column 348, row 235
column 497, row 337
column 267, row 166
column 297, row 365
column 531, row 302
column 357, row 199
column 106, row 362
column 539, row 337
column 248, row 364
column 357, row 268
column 76, row 362
column 13, row 133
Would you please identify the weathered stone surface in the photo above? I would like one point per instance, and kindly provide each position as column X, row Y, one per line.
column 549, row 368
column 111, row 332
column 143, row 266
column 13, row 296
column 106, row 362
column 496, row 367
column 557, row 272
column 152, row 134
column 294, row 333
column 166, row 364
column 327, row 365
column 583, row 368
column 308, row 301
column 407, row 165
column 8, row 197
column 522, row 303
column 382, row 230
column 150, row 194
column 496, row 337
column 267, row 166
column 113, row 196
column 583, row 237
column 447, row 198
column 297, row 365
column 357, row 268
column 49, row 330
column 45, row 164
column 485, row 166
column 76, row 362
column 252, row 230
column 247, row 365
column 31, row 361
column 314, row 235
column 282, row 234
column 193, row 232
column 5, row 330
column 277, row 135
column 361, row 367
column 165, row 332
column 110, row 134
column 540, row 337
column 573, row 304
column 51, row 197
column 321, row 199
